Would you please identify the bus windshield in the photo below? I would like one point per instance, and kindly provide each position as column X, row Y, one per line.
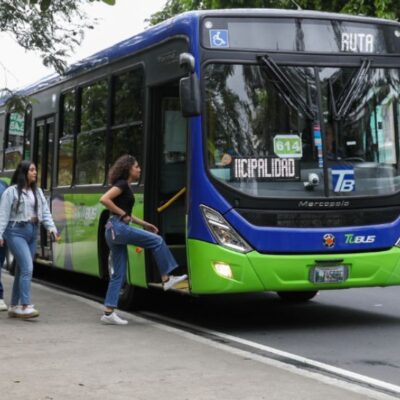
column 264, row 143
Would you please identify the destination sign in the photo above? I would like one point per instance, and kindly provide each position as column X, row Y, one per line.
column 265, row 169
column 358, row 42
column 301, row 35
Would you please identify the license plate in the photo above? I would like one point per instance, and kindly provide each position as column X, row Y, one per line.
column 331, row 274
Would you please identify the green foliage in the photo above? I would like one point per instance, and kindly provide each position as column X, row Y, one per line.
column 389, row 9
column 16, row 103
column 53, row 28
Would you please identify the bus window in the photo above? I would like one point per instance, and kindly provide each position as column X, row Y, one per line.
column 173, row 158
column 66, row 139
column 27, row 135
column 127, row 125
column 14, row 140
column 90, row 165
column 249, row 117
column 366, row 134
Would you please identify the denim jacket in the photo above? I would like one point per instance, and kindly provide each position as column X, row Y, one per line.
column 9, row 212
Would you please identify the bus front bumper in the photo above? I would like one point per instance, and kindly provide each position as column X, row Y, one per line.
column 255, row 272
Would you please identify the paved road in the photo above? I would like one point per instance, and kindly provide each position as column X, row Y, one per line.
column 357, row 329
column 67, row 354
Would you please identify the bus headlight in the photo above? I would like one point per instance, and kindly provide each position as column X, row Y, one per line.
column 223, row 233
column 223, row 269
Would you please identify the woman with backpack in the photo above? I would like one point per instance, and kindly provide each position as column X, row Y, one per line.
column 22, row 207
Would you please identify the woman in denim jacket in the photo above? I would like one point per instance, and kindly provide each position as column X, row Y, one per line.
column 22, row 207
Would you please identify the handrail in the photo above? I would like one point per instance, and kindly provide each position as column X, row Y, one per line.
column 171, row 200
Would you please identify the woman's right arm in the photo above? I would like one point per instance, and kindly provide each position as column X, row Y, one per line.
column 107, row 200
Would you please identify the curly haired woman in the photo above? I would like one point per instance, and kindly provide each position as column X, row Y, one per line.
column 119, row 200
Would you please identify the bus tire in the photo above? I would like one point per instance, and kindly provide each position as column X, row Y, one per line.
column 297, row 296
column 10, row 262
column 130, row 296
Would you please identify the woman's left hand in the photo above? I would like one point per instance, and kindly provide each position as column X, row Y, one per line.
column 127, row 219
column 55, row 236
column 150, row 227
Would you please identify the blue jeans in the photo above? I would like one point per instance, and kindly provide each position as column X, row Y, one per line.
column 2, row 258
column 118, row 236
column 21, row 240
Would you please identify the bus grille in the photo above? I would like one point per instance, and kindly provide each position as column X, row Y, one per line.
column 320, row 219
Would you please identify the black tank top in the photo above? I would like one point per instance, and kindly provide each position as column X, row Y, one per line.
column 126, row 199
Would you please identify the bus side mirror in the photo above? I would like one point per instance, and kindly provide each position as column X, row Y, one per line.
column 189, row 87
column 189, row 94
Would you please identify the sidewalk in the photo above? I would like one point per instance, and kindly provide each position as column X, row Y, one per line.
column 67, row 354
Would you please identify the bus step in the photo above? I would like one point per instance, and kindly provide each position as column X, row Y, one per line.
column 181, row 287
column 43, row 261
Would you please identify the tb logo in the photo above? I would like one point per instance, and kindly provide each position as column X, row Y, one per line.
column 343, row 179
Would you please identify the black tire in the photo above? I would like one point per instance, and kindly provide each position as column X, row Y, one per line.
column 297, row 297
column 130, row 297
column 10, row 262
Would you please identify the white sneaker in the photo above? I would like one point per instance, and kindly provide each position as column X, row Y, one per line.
column 12, row 311
column 3, row 306
column 27, row 312
column 173, row 280
column 113, row 319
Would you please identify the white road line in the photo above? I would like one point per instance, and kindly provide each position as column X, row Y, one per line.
column 350, row 386
column 288, row 356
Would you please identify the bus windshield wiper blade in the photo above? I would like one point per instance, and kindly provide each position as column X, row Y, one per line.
column 286, row 88
column 352, row 93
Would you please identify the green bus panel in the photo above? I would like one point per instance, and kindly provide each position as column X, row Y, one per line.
column 77, row 217
column 204, row 278
column 6, row 179
column 254, row 272
column 284, row 272
column 136, row 255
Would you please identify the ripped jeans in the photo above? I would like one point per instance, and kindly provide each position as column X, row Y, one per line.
column 118, row 236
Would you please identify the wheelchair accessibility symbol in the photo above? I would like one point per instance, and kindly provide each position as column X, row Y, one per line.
column 219, row 38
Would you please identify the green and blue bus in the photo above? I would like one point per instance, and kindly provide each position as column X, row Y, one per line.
column 269, row 142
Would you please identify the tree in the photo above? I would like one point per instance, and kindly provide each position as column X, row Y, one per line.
column 389, row 9
column 51, row 27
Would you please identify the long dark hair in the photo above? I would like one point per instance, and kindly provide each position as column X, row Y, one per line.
column 20, row 179
column 121, row 168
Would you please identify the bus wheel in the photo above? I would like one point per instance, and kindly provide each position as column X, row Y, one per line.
column 10, row 262
column 130, row 297
column 297, row 297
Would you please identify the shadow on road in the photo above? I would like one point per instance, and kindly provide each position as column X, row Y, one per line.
column 241, row 312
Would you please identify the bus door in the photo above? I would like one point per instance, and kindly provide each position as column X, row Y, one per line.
column 43, row 158
column 168, row 173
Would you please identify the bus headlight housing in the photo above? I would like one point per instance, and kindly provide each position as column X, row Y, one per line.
column 223, row 269
column 223, row 233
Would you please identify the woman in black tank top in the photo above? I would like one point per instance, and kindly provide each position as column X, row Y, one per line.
column 119, row 200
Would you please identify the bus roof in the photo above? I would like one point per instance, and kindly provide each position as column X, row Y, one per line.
column 185, row 23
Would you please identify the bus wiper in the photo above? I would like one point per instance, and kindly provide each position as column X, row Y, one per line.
column 286, row 88
column 352, row 93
